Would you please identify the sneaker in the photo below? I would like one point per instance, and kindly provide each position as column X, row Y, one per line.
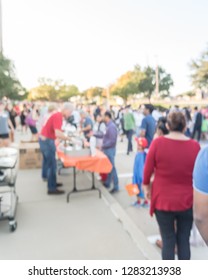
column 59, row 185
column 106, row 186
column 137, row 204
column 56, row 192
column 2, row 176
column 114, row 190
column 145, row 204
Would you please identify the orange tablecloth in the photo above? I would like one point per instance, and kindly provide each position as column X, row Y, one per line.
column 98, row 163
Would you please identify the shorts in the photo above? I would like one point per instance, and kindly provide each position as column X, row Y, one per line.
column 4, row 136
column 33, row 129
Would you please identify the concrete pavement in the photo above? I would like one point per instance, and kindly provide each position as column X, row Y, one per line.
column 49, row 228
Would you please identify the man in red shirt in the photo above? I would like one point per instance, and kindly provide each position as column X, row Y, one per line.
column 50, row 131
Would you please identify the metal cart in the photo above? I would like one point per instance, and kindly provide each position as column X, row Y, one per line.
column 8, row 196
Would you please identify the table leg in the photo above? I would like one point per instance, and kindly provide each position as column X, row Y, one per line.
column 93, row 188
column 93, row 185
column 75, row 184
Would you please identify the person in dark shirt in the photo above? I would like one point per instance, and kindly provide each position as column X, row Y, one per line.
column 12, row 114
column 197, row 124
column 97, row 112
column 23, row 116
column 148, row 124
column 109, row 149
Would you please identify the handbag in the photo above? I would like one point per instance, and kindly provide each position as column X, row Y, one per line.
column 132, row 189
column 30, row 121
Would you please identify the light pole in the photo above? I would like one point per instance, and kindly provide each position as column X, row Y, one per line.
column 157, row 79
column 1, row 47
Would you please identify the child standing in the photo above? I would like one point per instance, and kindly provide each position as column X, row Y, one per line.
column 139, row 162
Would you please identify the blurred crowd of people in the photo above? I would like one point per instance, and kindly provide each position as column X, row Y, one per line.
column 28, row 115
column 164, row 162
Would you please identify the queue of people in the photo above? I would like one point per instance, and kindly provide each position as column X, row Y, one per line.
column 167, row 158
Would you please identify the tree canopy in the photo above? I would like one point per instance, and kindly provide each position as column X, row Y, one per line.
column 165, row 82
column 53, row 90
column 10, row 86
column 142, row 81
column 199, row 68
column 136, row 81
column 93, row 92
column 128, row 83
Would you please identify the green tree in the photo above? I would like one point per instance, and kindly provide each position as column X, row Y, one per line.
column 53, row 90
column 44, row 91
column 148, row 84
column 165, row 83
column 9, row 84
column 128, row 83
column 67, row 91
column 93, row 92
column 199, row 71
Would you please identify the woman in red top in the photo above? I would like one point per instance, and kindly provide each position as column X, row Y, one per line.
column 171, row 158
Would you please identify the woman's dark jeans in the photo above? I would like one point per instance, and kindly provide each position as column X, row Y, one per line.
column 175, row 228
column 129, row 135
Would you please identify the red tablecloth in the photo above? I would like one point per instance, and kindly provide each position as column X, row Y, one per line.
column 98, row 163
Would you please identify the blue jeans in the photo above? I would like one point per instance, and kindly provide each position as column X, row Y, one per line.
column 44, row 161
column 48, row 150
column 110, row 153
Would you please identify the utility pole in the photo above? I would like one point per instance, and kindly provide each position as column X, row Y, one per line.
column 157, row 80
column 1, row 44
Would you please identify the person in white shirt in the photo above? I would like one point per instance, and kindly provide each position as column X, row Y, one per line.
column 99, row 130
column 138, row 116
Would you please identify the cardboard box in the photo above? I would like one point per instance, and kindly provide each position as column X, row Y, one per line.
column 30, row 156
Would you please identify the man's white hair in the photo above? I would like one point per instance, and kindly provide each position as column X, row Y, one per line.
column 68, row 106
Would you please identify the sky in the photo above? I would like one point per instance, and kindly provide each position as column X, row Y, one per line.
column 92, row 42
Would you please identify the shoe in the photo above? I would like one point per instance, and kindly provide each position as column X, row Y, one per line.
column 104, row 185
column 145, row 204
column 59, row 185
column 45, row 179
column 56, row 192
column 114, row 191
column 137, row 204
column 2, row 176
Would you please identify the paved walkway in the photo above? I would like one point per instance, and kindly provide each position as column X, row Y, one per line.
column 49, row 228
